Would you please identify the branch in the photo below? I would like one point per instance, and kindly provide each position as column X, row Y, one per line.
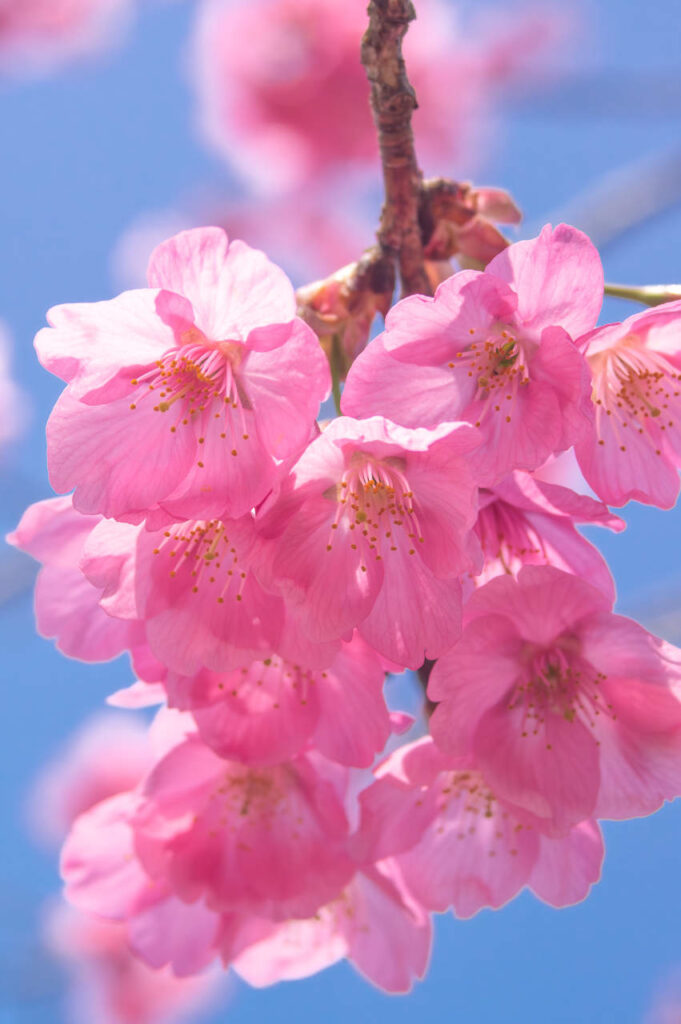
column 646, row 294
column 392, row 102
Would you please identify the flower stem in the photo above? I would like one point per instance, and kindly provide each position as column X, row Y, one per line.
column 647, row 294
column 336, row 365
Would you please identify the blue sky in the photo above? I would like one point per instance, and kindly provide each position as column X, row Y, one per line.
column 86, row 152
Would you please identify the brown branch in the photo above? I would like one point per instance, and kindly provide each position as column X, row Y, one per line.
column 392, row 102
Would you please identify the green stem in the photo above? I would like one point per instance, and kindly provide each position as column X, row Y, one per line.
column 336, row 364
column 647, row 294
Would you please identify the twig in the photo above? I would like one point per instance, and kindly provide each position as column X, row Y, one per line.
column 392, row 102
column 646, row 294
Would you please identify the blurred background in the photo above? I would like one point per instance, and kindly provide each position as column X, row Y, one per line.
column 112, row 138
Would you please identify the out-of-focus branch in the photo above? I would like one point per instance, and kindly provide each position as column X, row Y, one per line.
column 623, row 199
column 393, row 101
column 646, row 294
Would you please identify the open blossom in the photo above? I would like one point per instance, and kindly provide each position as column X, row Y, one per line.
column 371, row 530
column 187, row 395
column 524, row 520
column 634, row 449
column 265, row 840
column 568, row 711
column 457, row 845
column 273, row 708
column 189, row 587
column 370, row 918
column 374, row 923
column 495, row 348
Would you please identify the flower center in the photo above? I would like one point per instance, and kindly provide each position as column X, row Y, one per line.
column 251, row 793
column 558, row 681
column 497, row 367
column 377, row 507
column 201, row 557
column 631, row 382
column 194, row 377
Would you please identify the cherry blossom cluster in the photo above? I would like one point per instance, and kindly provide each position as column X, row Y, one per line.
column 265, row 571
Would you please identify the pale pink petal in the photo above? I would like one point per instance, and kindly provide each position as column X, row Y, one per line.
column 377, row 383
column 98, row 865
column 354, row 724
column 566, row 868
column 389, row 936
column 89, row 342
column 549, row 771
column 232, row 287
column 89, row 448
column 415, row 615
column 558, row 278
column 183, row 935
column 294, row 950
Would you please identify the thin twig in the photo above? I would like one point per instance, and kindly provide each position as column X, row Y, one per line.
column 392, row 102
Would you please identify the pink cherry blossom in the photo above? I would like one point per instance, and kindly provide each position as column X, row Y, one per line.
column 109, row 985
column 186, row 395
column 634, row 449
column 104, row 877
column 568, row 711
column 494, row 348
column 373, row 923
column 457, row 845
column 191, row 589
column 66, row 603
column 38, row 35
column 526, row 521
column 265, row 840
column 371, row 530
column 270, row 710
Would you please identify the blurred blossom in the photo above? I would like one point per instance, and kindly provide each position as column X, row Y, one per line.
column 37, row 36
column 13, row 405
column 108, row 985
column 108, row 755
column 278, row 108
column 307, row 234
column 666, row 1005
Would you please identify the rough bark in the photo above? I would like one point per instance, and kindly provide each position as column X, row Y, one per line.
column 393, row 101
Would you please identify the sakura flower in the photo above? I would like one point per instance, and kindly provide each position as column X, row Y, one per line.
column 634, row 449
column 186, row 395
column 66, row 603
column 109, row 985
column 494, row 348
column 270, row 710
column 266, row 840
column 568, row 711
column 458, row 846
column 371, row 530
column 526, row 521
column 103, row 876
column 190, row 588
column 373, row 923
